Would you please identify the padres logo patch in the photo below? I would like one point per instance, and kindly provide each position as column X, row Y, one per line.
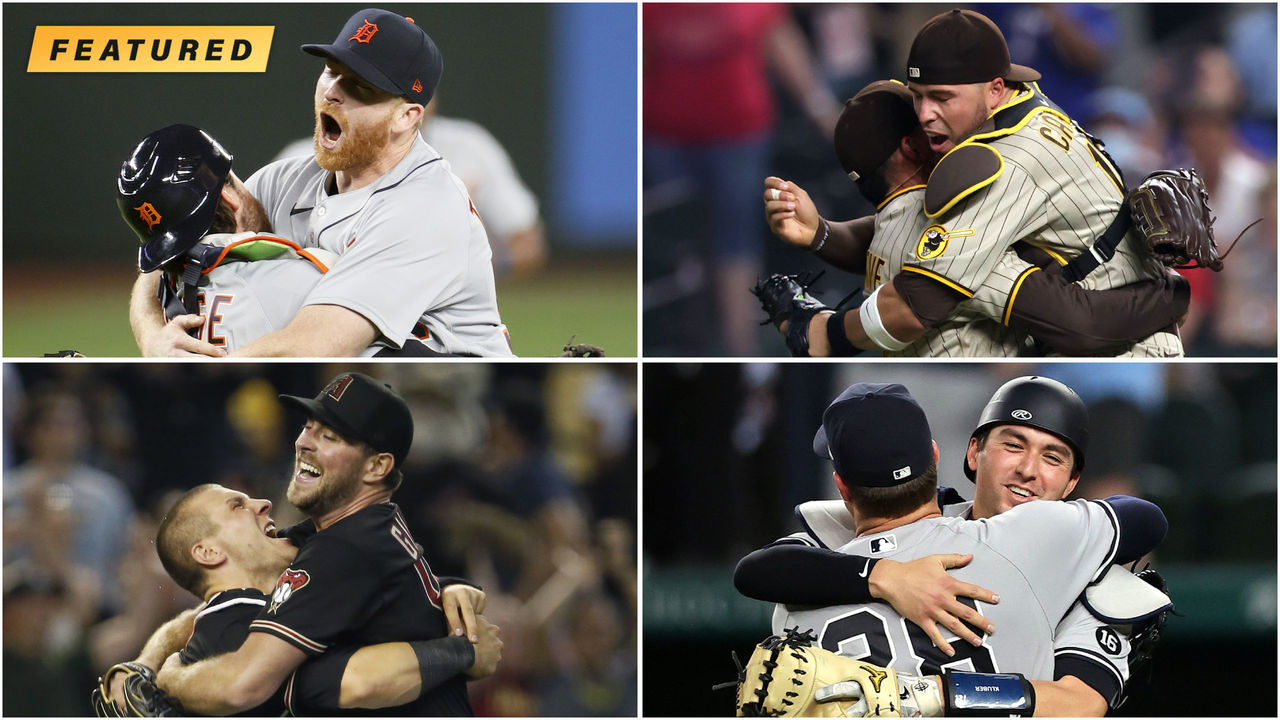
column 934, row 241
column 290, row 582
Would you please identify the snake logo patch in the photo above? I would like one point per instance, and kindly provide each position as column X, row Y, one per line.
column 365, row 33
column 339, row 386
column 149, row 215
column 290, row 582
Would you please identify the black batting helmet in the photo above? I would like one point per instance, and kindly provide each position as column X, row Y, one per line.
column 169, row 189
column 1041, row 403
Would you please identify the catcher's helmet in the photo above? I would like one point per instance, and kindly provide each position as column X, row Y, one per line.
column 169, row 189
column 1041, row 403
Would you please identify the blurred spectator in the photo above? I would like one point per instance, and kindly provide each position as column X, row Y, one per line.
column 593, row 677
column 709, row 116
column 63, row 514
column 1251, row 42
column 1245, row 323
column 1231, row 174
column 1123, row 120
column 45, row 669
column 1069, row 43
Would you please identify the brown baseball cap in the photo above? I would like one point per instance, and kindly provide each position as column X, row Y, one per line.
column 872, row 125
column 960, row 47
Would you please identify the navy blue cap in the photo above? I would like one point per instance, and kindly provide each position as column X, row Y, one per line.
column 389, row 51
column 876, row 434
column 361, row 408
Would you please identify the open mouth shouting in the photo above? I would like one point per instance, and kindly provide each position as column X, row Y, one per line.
column 330, row 130
column 938, row 142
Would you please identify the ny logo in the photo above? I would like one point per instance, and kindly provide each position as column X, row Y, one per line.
column 365, row 33
column 147, row 212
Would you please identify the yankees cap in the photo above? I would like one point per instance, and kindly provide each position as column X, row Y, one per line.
column 876, row 434
column 389, row 51
column 960, row 47
column 872, row 125
column 361, row 408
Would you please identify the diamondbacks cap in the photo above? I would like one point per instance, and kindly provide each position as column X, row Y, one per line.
column 960, row 47
column 876, row 434
column 361, row 408
column 389, row 51
column 872, row 125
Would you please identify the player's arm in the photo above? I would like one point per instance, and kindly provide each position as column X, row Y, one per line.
column 391, row 674
column 920, row 590
column 319, row 331
column 793, row 217
column 1028, row 293
column 232, row 682
column 165, row 641
column 1067, row 697
column 154, row 336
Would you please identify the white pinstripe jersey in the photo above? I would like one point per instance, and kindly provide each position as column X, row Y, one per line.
column 973, row 328
column 1054, row 189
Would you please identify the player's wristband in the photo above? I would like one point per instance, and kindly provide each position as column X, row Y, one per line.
column 442, row 658
column 820, row 237
column 970, row 694
column 869, row 313
column 836, row 337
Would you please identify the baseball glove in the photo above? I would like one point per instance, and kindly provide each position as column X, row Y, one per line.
column 1171, row 211
column 572, row 349
column 785, row 298
column 788, row 677
column 142, row 697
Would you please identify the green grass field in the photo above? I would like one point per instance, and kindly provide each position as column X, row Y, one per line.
column 86, row 309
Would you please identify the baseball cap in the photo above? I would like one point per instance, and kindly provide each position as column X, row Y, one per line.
column 389, row 51
column 361, row 408
column 872, row 125
column 960, row 47
column 876, row 434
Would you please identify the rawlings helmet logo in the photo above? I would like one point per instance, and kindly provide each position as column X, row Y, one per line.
column 1021, row 414
column 149, row 215
column 365, row 33
column 290, row 582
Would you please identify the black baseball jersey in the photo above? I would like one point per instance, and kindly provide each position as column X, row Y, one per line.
column 363, row 581
column 222, row 628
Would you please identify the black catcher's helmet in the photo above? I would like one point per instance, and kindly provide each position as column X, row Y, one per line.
column 1041, row 403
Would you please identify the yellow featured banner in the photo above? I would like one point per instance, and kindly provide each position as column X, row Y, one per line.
column 150, row 48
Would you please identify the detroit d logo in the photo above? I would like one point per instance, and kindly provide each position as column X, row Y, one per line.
column 365, row 33
column 290, row 582
column 147, row 212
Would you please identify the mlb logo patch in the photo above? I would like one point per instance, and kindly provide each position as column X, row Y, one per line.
column 883, row 544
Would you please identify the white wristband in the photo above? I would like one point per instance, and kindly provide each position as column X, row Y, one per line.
column 869, row 314
column 924, row 693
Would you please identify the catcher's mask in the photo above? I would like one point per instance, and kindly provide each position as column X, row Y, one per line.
column 1041, row 403
column 169, row 189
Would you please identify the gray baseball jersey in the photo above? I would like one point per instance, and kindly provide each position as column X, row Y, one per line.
column 1045, row 182
column 415, row 256
column 257, row 286
column 1038, row 583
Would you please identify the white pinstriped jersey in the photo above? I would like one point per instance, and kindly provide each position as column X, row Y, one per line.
column 1054, row 190
column 1038, row 583
column 973, row 329
column 415, row 256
